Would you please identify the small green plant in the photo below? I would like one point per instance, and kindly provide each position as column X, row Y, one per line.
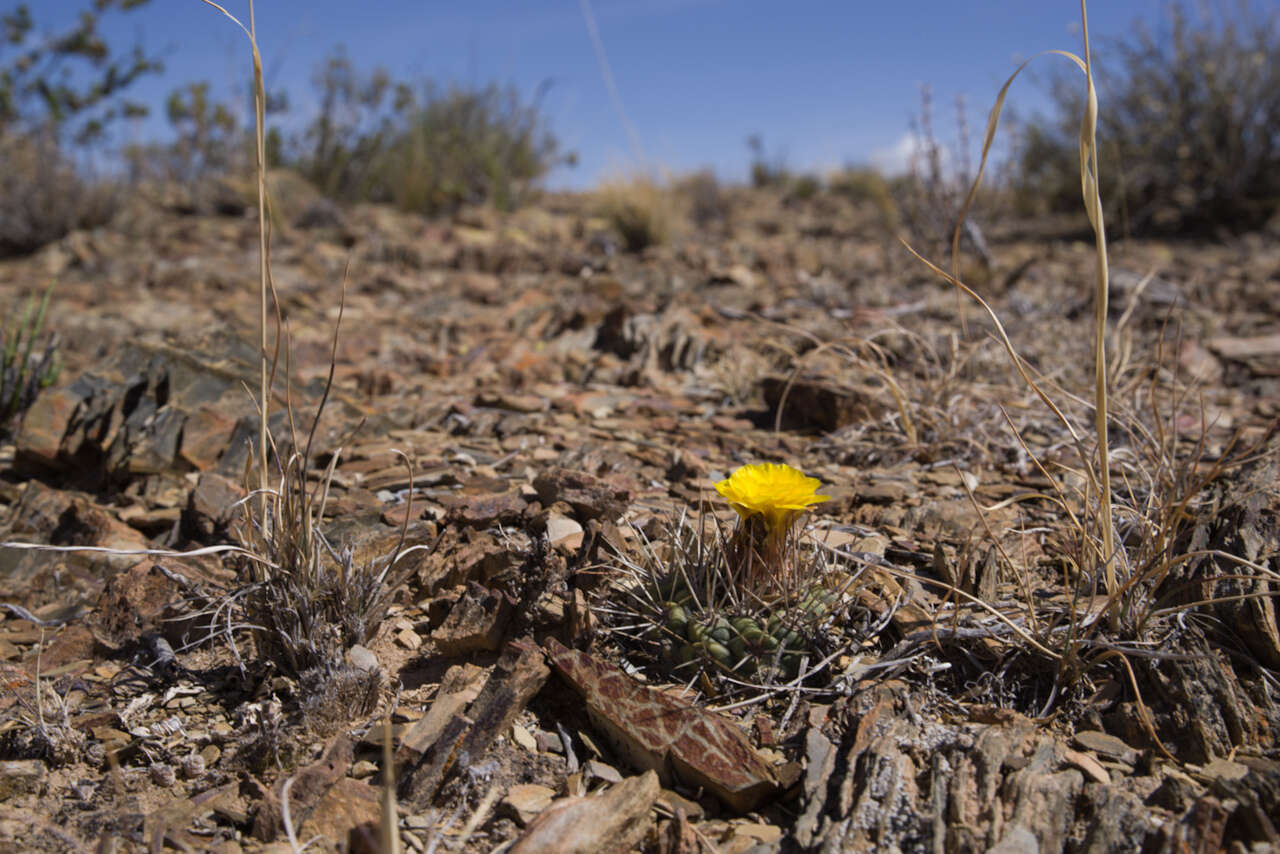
column 26, row 366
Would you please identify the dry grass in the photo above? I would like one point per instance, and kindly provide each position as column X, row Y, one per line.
column 1119, row 509
column 642, row 210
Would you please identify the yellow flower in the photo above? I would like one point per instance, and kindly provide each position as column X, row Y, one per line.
column 779, row 493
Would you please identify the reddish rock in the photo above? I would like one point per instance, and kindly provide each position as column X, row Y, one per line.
column 477, row 621
column 610, row 823
column 211, row 504
column 653, row 730
column 205, row 436
column 483, row 511
column 589, row 496
column 348, row 817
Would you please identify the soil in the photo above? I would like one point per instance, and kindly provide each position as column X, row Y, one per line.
column 536, row 410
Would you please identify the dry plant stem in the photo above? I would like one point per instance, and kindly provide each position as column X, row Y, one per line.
column 1093, row 204
column 390, row 840
column 259, row 107
column 1101, row 479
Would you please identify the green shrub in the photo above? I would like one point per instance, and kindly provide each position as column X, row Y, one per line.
column 803, row 187
column 1189, row 125
column 867, row 186
column 427, row 149
column 705, row 199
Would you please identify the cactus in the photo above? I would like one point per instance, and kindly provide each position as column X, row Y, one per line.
column 761, row 644
column 677, row 600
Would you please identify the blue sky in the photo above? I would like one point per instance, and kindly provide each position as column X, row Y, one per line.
column 825, row 82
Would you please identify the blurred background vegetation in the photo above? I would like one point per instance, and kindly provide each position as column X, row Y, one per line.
column 1189, row 129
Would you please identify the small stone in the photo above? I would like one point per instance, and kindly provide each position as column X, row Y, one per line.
column 564, row 533
column 526, row 800
column 162, row 774
column 193, row 766
column 409, row 639
column 602, row 771
column 22, row 777
column 1226, row 769
column 521, row 736
column 548, row 742
column 1106, row 745
column 477, row 621
column 363, row 768
column 673, row 801
column 362, row 658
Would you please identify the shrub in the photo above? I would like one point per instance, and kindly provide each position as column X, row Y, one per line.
column 44, row 196
column 58, row 89
column 767, row 170
column 705, row 198
column 862, row 185
column 1190, row 122
column 427, row 150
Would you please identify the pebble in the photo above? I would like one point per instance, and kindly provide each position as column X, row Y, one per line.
column 521, row 736
column 22, row 777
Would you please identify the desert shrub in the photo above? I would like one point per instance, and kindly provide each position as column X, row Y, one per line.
column 864, row 186
column 704, row 197
column 67, row 81
column 640, row 209
column 803, row 187
column 1189, row 123
column 428, row 149
column 929, row 197
column 767, row 170
column 58, row 90
column 45, row 197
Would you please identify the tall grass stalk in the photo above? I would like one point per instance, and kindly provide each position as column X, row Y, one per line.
column 1100, row 477
column 264, row 259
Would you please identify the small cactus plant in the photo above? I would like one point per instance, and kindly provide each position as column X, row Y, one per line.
column 25, row 367
column 748, row 604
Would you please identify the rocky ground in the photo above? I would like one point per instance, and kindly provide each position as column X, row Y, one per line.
column 538, row 408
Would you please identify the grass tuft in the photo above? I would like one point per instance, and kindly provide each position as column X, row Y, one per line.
column 643, row 211
column 26, row 366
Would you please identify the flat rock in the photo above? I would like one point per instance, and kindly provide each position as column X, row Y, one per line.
column 589, row 496
column 610, row 823
column 526, row 800
column 655, row 731
column 477, row 621
column 347, row 816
